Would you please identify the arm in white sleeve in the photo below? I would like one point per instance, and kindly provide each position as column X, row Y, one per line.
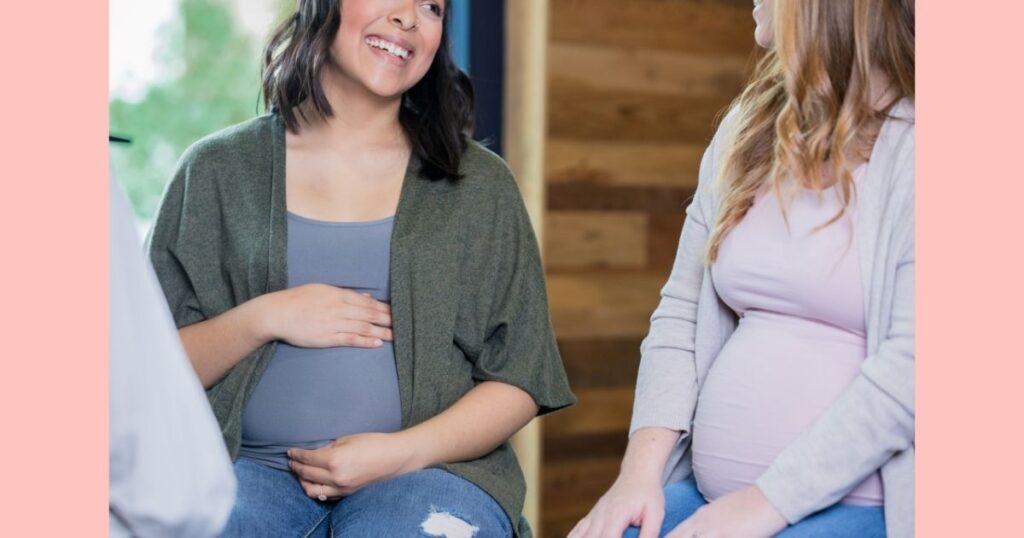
column 170, row 474
column 667, row 366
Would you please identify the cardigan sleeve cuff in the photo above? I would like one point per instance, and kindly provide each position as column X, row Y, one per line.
column 786, row 494
column 666, row 396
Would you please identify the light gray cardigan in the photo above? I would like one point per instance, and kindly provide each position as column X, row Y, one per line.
column 871, row 424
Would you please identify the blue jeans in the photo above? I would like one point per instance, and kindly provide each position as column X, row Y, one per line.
column 682, row 499
column 272, row 503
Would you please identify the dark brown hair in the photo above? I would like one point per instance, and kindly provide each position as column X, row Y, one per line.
column 436, row 113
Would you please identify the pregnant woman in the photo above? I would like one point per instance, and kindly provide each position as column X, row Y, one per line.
column 776, row 388
column 359, row 289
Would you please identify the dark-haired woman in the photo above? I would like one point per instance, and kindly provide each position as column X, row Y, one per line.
column 358, row 287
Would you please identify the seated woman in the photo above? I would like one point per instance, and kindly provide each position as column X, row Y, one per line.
column 776, row 388
column 359, row 288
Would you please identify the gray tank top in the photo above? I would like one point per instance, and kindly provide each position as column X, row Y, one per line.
column 310, row 397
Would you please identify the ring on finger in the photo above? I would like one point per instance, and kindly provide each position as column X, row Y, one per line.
column 323, row 497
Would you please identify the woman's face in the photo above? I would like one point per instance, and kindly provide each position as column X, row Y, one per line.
column 764, row 18
column 387, row 46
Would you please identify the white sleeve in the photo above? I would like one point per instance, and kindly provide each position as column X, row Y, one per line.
column 170, row 474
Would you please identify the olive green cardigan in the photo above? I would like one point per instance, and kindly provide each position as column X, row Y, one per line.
column 467, row 288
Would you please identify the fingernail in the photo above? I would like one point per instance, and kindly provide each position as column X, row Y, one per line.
column 378, row 342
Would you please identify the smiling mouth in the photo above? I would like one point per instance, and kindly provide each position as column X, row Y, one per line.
column 393, row 49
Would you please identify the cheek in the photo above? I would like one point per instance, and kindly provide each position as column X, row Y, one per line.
column 431, row 45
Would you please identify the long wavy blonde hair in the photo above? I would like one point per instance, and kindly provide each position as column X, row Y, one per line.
column 809, row 104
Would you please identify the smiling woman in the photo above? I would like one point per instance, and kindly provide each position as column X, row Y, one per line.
column 358, row 287
column 325, row 45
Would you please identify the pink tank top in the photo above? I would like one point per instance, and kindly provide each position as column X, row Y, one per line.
column 799, row 343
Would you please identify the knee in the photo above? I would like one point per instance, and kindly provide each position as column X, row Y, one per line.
column 447, row 525
column 434, row 522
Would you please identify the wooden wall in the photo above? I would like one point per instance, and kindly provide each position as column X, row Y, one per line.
column 634, row 88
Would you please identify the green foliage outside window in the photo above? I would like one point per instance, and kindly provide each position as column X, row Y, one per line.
column 217, row 85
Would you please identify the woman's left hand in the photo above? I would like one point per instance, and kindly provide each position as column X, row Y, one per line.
column 350, row 463
column 742, row 514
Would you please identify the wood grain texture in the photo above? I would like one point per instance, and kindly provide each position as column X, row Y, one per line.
column 634, row 116
column 592, row 240
column 631, row 69
column 597, row 411
column 606, row 303
column 576, row 485
column 559, row 449
column 601, row 362
column 678, row 25
column 663, row 240
column 634, row 92
column 660, row 164
column 585, row 197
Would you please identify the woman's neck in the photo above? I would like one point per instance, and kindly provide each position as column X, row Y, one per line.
column 880, row 89
column 359, row 118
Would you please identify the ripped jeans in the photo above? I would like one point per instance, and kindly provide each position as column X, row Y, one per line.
column 431, row 502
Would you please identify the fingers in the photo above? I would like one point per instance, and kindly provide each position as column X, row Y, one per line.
column 316, row 458
column 312, row 473
column 683, row 530
column 580, row 529
column 357, row 334
column 314, row 490
column 366, row 315
column 365, row 300
column 650, row 527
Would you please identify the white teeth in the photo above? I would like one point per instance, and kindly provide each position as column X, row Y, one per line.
column 388, row 46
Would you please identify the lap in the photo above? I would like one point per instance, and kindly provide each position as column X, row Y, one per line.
column 840, row 521
column 431, row 502
column 271, row 502
column 682, row 499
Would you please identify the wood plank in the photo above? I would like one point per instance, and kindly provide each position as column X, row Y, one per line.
column 663, row 239
column 595, row 239
column 601, row 362
column 576, row 485
column 600, row 445
column 598, row 411
column 633, row 116
column 583, row 196
column 603, row 303
column 642, row 70
column 662, row 164
column 681, row 25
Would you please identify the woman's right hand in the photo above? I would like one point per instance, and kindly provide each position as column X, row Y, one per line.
column 321, row 315
column 631, row 501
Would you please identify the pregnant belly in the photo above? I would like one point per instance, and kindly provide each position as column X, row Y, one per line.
column 308, row 397
column 769, row 383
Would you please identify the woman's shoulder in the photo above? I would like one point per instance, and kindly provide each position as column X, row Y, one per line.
column 245, row 142
column 485, row 173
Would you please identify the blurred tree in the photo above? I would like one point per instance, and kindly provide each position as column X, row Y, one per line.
column 213, row 81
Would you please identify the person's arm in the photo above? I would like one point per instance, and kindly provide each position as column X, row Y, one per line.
column 483, row 419
column 636, row 497
column 666, row 388
column 313, row 315
column 169, row 472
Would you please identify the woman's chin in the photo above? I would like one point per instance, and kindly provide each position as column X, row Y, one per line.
column 386, row 90
column 763, row 37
